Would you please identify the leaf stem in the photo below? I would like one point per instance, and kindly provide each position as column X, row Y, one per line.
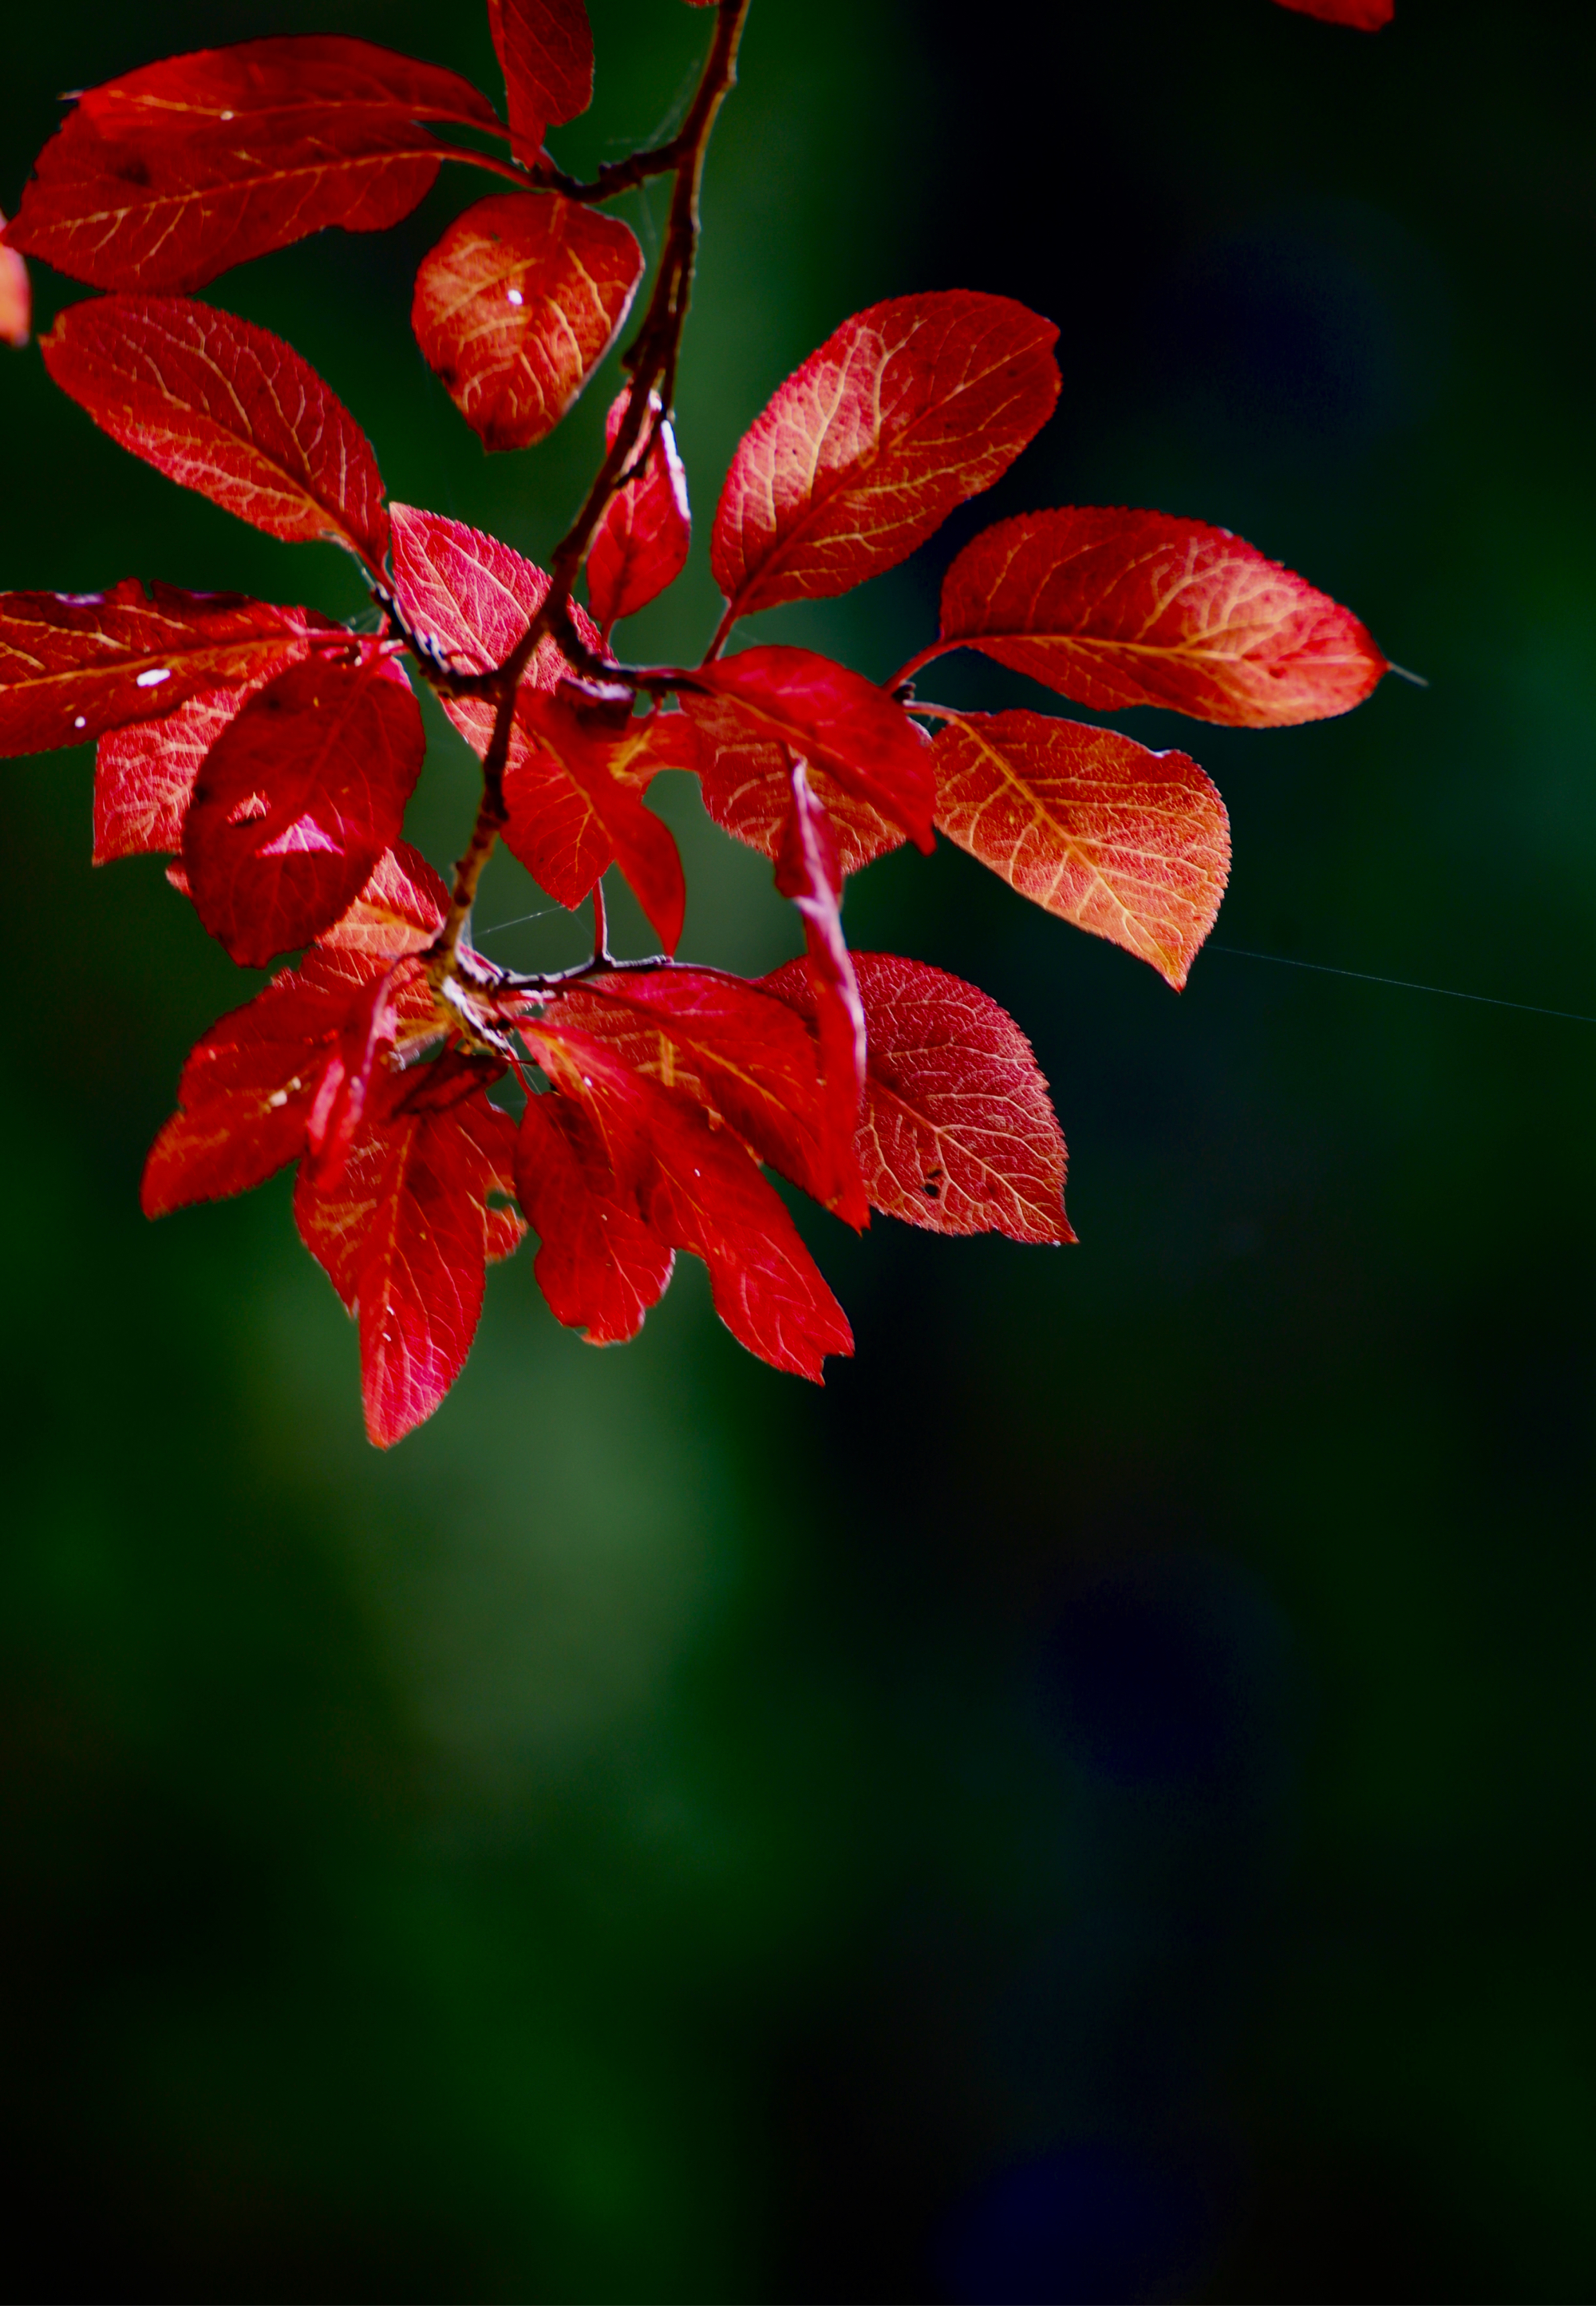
column 907, row 672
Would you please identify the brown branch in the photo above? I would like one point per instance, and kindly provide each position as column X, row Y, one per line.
column 652, row 362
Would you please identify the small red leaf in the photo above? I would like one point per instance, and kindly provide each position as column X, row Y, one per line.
column 227, row 408
column 837, row 721
column 165, row 178
column 806, row 873
column 516, row 306
column 297, row 799
column 344, row 1090
column 1362, row 15
column 473, row 598
column 143, row 775
column 1115, row 608
column 73, row 666
column 959, row 1134
column 641, row 545
column 401, row 909
column 16, row 296
column 906, row 410
column 545, row 51
column 1132, row 845
column 600, row 1267
column 404, row 1237
column 573, row 795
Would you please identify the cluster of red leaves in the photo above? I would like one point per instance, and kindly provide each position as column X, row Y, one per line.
column 270, row 753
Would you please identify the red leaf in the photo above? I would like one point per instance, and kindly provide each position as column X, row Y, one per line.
column 297, row 799
column 1362, row 15
column 516, row 306
column 545, row 51
column 600, row 1267
column 227, row 408
column 473, row 598
column 73, row 666
column 572, row 795
column 404, row 1237
column 906, row 410
column 351, row 1071
column 959, row 1134
column 143, row 775
column 726, row 1043
column 806, row 873
column 16, row 296
column 249, row 1084
column 781, row 702
column 165, row 178
column 1116, row 608
column 1132, row 845
column 641, row 545
column 698, row 1189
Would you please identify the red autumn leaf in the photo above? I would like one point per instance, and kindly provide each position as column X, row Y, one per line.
column 1362, row 15
column 959, row 1134
column 227, row 408
column 165, row 178
column 641, row 545
column 248, row 1087
column 1115, row 608
column 600, row 1267
column 545, row 51
column 744, row 781
column 1131, row 844
column 777, row 702
column 807, row 874
column 349, row 1076
column 296, row 800
column 698, row 1189
column 571, row 796
column 74, row 665
column 16, row 297
column 729, row 1045
column 516, row 306
column 405, row 1233
column 910, row 408
column 473, row 598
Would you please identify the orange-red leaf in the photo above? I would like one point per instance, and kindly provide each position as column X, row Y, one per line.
column 1131, row 844
column 1115, row 608
column 574, row 794
column 227, row 408
column 516, row 306
column 74, row 665
column 641, row 545
column 777, row 702
column 473, row 598
column 404, row 1235
column 168, row 176
column 1362, row 15
column 807, row 874
column 600, row 1266
column 545, row 52
column 958, row 1133
column 906, row 410
column 16, row 296
column 297, row 799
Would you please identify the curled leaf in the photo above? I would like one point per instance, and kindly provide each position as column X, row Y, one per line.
column 545, row 51
column 641, row 545
column 807, row 875
column 16, row 296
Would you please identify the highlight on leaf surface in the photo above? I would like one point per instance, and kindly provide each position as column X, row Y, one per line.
column 297, row 799
column 958, row 1132
column 641, row 545
column 227, row 408
column 165, row 177
column 908, row 409
column 1113, row 607
column 16, row 296
column 74, row 665
column 809, row 875
column 516, row 306
column 545, row 51
column 1131, row 844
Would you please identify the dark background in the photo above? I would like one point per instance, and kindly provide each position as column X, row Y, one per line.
column 1096, row 1803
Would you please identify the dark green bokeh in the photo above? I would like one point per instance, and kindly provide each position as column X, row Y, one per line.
column 1097, row 1802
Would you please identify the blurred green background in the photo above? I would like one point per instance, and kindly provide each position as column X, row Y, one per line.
column 1096, row 1803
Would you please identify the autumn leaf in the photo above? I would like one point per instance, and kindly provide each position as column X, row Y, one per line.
column 472, row 599
column 640, row 546
column 807, row 875
column 168, row 176
column 772, row 702
column 957, row 1135
column 545, row 51
column 516, row 306
column 16, row 296
column 574, row 796
column 1115, row 608
column 74, row 665
column 296, row 800
column 599, row 1266
column 1131, row 844
column 910, row 408
column 1362, row 15
column 226, row 408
